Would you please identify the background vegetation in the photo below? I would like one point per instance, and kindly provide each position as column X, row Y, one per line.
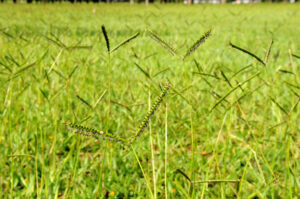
column 54, row 69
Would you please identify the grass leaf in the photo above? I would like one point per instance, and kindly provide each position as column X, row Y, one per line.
column 163, row 43
column 268, row 52
column 297, row 56
column 247, row 52
column 125, row 42
column 24, row 68
column 184, row 175
column 83, row 101
column 233, row 89
column 278, row 105
column 142, row 70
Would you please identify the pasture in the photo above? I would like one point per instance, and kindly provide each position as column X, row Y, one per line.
column 227, row 126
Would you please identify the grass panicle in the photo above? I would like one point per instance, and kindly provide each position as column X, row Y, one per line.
column 154, row 107
column 86, row 131
column 197, row 44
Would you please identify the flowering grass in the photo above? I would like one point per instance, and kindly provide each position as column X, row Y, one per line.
column 229, row 123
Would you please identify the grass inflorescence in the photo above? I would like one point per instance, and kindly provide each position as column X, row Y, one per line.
column 87, row 131
column 150, row 113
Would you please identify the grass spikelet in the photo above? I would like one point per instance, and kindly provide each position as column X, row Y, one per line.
column 106, row 38
column 154, row 107
column 90, row 132
column 163, row 43
column 197, row 44
column 247, row 52
column 125, row 42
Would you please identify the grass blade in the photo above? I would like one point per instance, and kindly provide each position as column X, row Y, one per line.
column 242, row 69
column 106, row 38
column 215, row 181
column 161, row 72
column 163, row 43
column 268, row 52
column 184, row 175
column 142, row 70
column 286, row 71
column 24, row 68
column 226, row 79
column 292, row 85
column 99, row 99
column 247, row 52
column 83, row 101
column 278, row 105
column 79, row 47
column 233, row 89
column 197, row 44
column 297, row 56
column 56, row 42
column 6, row 67
column 72, row 72
column 206, row 74
column 125, row 41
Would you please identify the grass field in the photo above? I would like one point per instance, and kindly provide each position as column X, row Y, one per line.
column 228, row 127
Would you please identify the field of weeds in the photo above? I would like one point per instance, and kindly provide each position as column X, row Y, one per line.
column 174, row 101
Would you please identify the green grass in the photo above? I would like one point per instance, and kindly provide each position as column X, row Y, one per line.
column 228, row 116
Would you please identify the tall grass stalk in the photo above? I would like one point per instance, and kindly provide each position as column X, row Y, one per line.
column 166, row 152
column 152, row 148
column 144, row 174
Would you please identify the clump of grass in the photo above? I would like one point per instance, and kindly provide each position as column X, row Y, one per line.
column 86, row 131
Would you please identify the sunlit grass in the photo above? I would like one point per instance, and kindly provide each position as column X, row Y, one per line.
column 229, row 123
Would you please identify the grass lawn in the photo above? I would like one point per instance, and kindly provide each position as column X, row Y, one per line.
column 228, row 127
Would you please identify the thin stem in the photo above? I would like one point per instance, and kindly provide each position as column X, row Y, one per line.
column 215, row 181
column 109, row 85
column 193, row 148
column 166, row 152
column 152, row 148
column 144, row 174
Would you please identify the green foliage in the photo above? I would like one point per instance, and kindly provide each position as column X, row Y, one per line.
column 230, row 125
